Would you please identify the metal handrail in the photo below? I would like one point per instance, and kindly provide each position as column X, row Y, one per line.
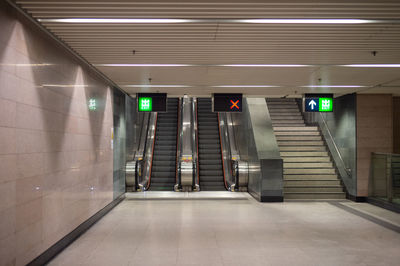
column 178, row 147
column 347, row 169
column 195, row 142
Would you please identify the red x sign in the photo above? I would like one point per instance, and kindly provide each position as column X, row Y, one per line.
column 235, row 104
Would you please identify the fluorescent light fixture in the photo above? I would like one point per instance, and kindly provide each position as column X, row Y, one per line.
column 308, row 21
column 245, row 86
column 154, row 86
column 26, row 65
column 65, row 85
column 206, row 20
column 142, row 65
column 263, row 65
column 333, row 86
column 372, row 65
column 116, row 20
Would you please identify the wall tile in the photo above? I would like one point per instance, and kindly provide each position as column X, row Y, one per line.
column 7, row 222
column 8, row 111
column 8, row 168
column 8, row 140
column 30, row 164
column 51, row 151
column 374, row 134
column 28, row 213
column 29, row 188
column 7, row 195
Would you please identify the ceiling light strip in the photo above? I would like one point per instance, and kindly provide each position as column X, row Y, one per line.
column 249, row 65
column 252, row 21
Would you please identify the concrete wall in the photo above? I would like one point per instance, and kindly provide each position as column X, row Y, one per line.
column 374, row 133
column 396, row 125
column 55, row 154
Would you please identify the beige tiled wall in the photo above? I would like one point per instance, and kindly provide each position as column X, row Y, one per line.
column 374, row 133
column 55, row 154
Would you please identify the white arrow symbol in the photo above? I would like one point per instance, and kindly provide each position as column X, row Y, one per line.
column 312, row 103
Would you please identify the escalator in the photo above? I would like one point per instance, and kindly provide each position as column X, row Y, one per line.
column 163, row 170
column 210, row 159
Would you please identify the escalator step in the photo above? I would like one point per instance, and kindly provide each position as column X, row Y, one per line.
column 169, row 162
column 205, row 167
column 211, row 173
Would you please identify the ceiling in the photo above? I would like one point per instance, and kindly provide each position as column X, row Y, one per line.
column 215, row 41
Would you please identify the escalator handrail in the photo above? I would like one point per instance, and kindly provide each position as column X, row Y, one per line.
column 177, row 143
column 222, row 155
column 152, row 152
column 197, row 145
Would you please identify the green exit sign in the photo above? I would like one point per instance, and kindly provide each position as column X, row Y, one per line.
column 145, row 104
column 325, row 104
column 318, row 102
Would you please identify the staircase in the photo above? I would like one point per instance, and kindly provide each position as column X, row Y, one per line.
column 163, row 169
column 308, row 170
column 210, row 163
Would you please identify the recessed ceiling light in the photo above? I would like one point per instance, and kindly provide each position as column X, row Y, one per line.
column 245, row 86
column 264, row 65
column 372, row 65
column 308, row 21
column 154, row 86
column 142, row 65
column 333, row 86
column 206, row 20
column 115, row 20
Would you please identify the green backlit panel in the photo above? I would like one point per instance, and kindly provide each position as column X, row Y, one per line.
column 325, row 104
column 145, row 104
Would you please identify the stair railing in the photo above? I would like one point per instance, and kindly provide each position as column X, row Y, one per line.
column 347, row 169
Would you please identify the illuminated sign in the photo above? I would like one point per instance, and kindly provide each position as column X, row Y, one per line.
column 145, row 104
column 151, row 102
column 227, row 102
column 318, row 103
column 92, row 104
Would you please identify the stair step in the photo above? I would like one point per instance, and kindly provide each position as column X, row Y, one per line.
column 310, row 177
column 306, row 159
column 296, row 128
column 287, row 121
column 311, row 183
column 294, row 134
column 299, row 138
column 280, row 100
column 300, row 143
column 314, row 195
column 307, row 165
column 288, row 125
column 307, row 171
column 312, row 189
column 303, row 153
column 302, row 148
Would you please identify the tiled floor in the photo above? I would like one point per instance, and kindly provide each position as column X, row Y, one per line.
column 221, row 231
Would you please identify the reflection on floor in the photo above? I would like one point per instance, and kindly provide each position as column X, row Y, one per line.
column 241, row 231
